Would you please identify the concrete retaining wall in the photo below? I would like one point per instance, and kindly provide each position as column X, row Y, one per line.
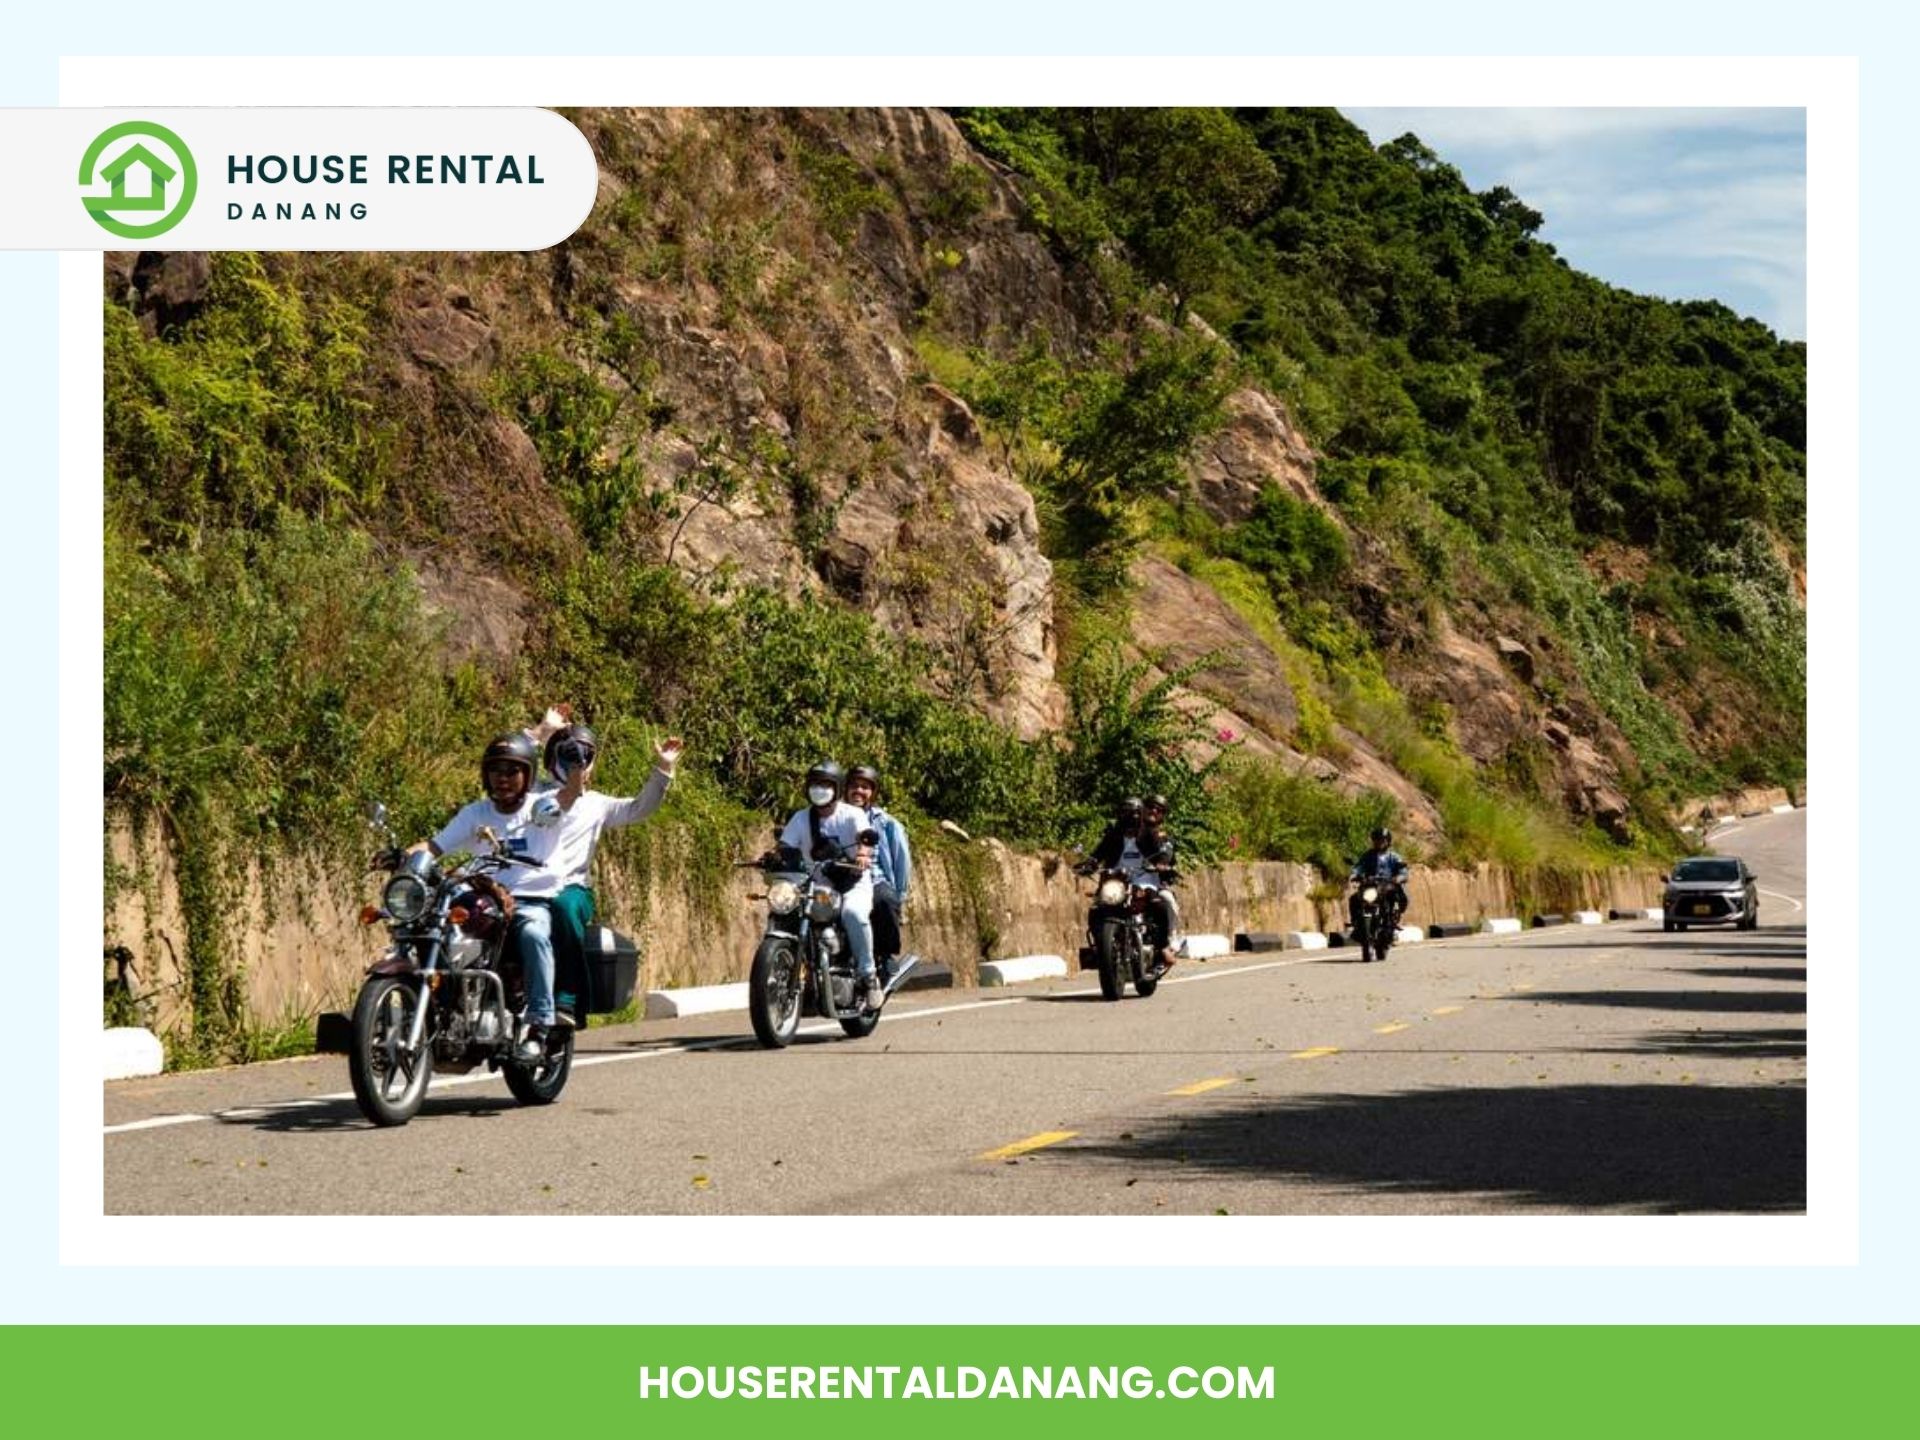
column 304, row 951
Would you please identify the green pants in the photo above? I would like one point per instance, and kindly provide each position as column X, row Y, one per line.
column 573, row 912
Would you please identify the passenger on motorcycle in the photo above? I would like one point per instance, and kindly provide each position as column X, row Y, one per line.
column 1383, row 864
column 1135, row 844
column 557, row 827
column 576, row 815
column 892, row 863
column 831, row 829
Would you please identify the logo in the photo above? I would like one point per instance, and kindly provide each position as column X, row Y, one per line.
column 151, row 180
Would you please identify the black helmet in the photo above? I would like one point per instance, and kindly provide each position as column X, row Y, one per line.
column 868, row 774
column 1157, row 802
column 828, row 773
column 570, row 748
column 1130, row 808
column 1382, row 837
column 515, row 747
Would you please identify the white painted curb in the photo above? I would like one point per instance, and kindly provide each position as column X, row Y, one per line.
column 1205, row 947
column 1588, row 917
column 696, row 1000
column 1656, row 913
column 1409, row 935
column 1492, row 926
column 1303, row 940
column 127, row 1051
column 1782, row 810
column 1021, row 969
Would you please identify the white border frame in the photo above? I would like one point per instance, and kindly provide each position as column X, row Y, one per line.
column 1827, row 88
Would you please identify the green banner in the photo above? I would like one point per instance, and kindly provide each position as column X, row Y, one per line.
column 950, row 1380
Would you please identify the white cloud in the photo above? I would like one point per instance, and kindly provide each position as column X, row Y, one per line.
column 1684, row 203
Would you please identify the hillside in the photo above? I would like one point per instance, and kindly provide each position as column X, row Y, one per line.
column 1039, row 456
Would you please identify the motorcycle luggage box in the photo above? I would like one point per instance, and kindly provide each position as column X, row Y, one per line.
column 613, row 960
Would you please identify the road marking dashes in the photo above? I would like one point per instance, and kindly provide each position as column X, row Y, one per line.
column 1316, row 1053
column 1200, row 1087
column 1031, row 1143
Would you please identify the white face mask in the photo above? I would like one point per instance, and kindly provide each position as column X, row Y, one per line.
column 820, row 794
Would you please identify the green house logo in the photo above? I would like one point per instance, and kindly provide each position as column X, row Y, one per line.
column 150, row 182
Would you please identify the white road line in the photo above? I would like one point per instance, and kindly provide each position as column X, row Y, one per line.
column 483, row 1077
column 1778, row 896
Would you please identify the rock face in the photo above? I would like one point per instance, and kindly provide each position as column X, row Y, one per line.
column 1175, row 614
column 1516, row 656
column 445, row 330
column 1256, row 447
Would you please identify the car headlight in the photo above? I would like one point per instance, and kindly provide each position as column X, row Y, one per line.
column 1113, row 892
column 1370, row 894
column 825, row 905
column 405, row 899
column 783, row 897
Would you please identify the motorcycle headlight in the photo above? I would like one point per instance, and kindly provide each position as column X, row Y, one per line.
column 825, row 905
column 1113, row 892
column 405, row 898
column 1370, row 894
column 783, row 897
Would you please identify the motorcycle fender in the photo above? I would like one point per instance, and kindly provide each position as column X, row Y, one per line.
column 391, row 963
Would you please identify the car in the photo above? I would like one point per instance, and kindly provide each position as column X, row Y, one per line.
column 1711, row 890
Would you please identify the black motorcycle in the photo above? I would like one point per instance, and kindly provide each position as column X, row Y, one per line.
column 804, row 964
column 449, row 992
column 1376, row 918
column 1119, row 935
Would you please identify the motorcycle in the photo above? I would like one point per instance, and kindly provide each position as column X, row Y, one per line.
column 1120, row 940
column 803, row 964
column 449, row 992
column 1379, row 919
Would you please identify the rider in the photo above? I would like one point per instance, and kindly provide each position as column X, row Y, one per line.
column 576, row 816
column 831, row 829
column 893, row 864
column 1383, row 864
column 562, row 844
column 1135, row 845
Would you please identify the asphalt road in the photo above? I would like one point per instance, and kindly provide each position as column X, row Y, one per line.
column 1577, row 1069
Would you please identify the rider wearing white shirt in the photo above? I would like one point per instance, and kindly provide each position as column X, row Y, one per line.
column 829, row 829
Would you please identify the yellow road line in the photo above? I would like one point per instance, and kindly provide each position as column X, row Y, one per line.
column 1527, row 986
column 1392, row 1029
column 1449, row 1009
column 1032, row 1142
column 1200, row 1087
column 1317, row 1052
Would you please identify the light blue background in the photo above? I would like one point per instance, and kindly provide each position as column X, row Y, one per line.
column 1881, row 1288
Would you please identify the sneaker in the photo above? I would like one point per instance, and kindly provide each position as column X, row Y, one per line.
column 876, row 997
column 533, row 1049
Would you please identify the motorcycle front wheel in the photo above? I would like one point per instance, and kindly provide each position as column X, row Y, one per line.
column 388, row 1084
column 541, row 1084
column 1112, row 980
column 1146, row 978
column 773, row 992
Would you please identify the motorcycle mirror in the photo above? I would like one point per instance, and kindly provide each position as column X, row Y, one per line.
column 487, row 835
column 377, row 816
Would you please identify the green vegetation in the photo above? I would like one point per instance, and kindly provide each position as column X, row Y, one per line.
column 1486, row 411
column 1499, row 436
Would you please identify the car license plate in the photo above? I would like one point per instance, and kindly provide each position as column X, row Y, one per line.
column 1702, row 910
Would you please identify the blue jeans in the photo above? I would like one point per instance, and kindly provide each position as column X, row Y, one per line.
column 533, row 936
column 856, row 920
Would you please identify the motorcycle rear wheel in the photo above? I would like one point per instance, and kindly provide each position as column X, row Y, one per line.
column 388, row 1085
column 1112, row 984
column 773, row 992
column 541, row 1084
column 860, row 1026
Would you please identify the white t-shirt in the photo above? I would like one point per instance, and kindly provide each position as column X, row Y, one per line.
column 843, row 827
column 516, row 830
column 564, row 850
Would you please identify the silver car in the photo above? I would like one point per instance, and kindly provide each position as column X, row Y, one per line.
column 1711, row 890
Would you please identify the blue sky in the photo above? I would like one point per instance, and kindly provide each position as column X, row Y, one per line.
column 1687, row 204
